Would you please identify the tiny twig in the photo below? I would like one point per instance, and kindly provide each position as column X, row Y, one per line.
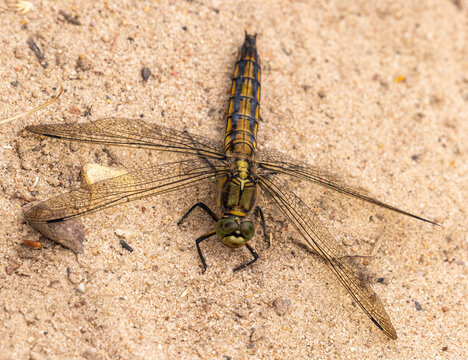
column 69, row 18
column 29, row 112
column 37, row 51
column 114, row 42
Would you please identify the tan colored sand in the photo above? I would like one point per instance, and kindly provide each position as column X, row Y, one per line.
column 379, row 93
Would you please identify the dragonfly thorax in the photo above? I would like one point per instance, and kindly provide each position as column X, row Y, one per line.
column 242, row 169
column 237, row 189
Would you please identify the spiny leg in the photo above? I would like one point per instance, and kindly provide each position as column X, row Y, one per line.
column 258, row 211
column 198, row 241
column 203, row 237
column 254, row 254
column 203, row 207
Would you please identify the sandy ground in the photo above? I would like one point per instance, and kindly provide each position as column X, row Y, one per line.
column 379, row 93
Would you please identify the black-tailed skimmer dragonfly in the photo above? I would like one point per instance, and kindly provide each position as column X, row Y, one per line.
column 240, row 171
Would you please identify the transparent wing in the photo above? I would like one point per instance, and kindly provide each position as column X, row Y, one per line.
column 279, row 163
column 149, row 181
column 319, row 238
column 134, row 133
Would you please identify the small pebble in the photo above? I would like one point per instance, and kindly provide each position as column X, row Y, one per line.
column 256, row 335
column 83, row 63
column 92, row 173
column 124, row 234
column 281, row 306
column 12, row 266
column 125, row 245
column 19, row 54
column 69, row 233
column 145, row 73
column 75, row 110
column 418, row 306
column 383, row 280
column 59, row 59
column 81, row 287
column 399, row 79
column 241, row 313
column 32, row 244
column 90, row 353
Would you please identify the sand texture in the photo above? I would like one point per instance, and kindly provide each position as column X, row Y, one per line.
column 377, row 93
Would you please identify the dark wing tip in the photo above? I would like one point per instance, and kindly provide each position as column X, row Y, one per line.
column 42, row 130
column 425, row 220
column 391, row 333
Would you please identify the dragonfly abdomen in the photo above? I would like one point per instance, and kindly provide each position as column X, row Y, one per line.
column 244, row 103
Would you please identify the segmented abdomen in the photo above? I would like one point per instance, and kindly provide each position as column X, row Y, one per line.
column 244, row 103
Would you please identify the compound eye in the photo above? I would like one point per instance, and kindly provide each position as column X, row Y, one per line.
column 247, row 229
column 225, row 227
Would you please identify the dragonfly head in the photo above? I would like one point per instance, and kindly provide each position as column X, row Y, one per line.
column 234, row 233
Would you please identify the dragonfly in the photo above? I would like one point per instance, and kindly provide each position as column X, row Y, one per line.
column 240, row 171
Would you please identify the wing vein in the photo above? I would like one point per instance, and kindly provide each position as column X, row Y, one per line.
column 318, row 237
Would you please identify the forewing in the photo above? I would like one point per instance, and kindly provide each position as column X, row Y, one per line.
column 134, row 133
column 275, row 162
column 319, row 238
column 149, row 181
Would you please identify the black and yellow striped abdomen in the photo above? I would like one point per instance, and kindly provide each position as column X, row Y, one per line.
column 244, row 103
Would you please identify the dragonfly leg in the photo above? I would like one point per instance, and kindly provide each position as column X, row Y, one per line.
column 198, row 241
column 258, row 211
column 254, row 254
column 203, row 207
